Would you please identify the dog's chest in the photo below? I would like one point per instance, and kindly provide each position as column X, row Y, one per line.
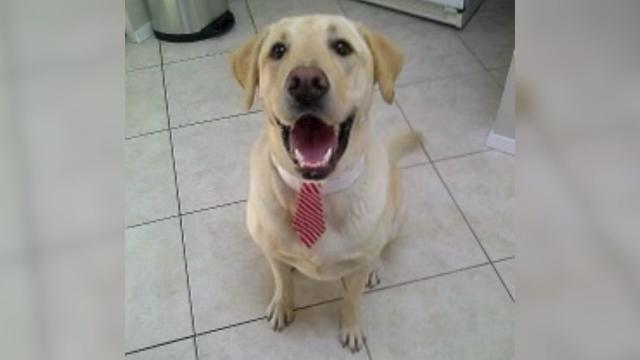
column 355, row 231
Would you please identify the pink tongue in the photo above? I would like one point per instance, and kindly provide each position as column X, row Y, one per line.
column 312, row 138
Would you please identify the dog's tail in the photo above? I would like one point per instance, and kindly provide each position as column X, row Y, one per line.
column 402, row 144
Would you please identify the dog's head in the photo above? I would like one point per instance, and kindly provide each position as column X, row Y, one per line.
column 315, row 76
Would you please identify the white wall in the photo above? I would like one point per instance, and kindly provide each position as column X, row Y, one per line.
column 503, row 134
column 138, row 21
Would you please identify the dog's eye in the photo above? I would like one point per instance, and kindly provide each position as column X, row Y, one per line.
column 341, row 47
column 278, row 50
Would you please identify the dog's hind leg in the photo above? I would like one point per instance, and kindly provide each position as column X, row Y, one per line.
column 280, row 311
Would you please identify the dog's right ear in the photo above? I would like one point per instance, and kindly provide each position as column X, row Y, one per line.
column 244, row 64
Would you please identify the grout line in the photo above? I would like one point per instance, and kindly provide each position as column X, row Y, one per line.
column 263, row 317
column 180, row 222
column 496, row 77
column 131, row 352
column 473, row 53
column 324, row 302
column 462, row 155
column 344, row 12
column 500, row 67
column 200, row 122
column 424, row 278
column 213, row 207
column 186, row 213
column 504, row 259
column 162, row 62
column 503, row 152
column 488, row 69
column 455, row 202
column 244, row 322
column 411, row 166
column 366, row 347
column 211, row 331
column 151, row 221
column 253, row 21
column 475, row 56
column 438, row 78
column 195, row 335
column 145, row 134
column 199, row 57
column 225, row 327
column 173, row 62
column 406, row 120
column 473, row 232
column 146, row 67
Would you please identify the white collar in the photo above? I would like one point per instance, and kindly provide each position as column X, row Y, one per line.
column 334, row 183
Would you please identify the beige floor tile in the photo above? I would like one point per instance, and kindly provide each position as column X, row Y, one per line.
column 507, row 270
column 454, row 115
column 313, row 335
column 182, row 350
column 435, row 238
column 431, row 53
column 500, row 74
column 386, row 122
column 465, row 315
column 156, row 295
column 145, row 54
column 230, row 278
column 145, row 109
column 483, row 186
column 491, row 36
column 150, row 192
column 212, row 161
column 202, row 89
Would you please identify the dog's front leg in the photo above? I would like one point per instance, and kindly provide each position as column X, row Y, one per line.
column 351, row 334
column 280, row 311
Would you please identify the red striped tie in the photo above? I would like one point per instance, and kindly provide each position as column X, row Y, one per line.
column 308, row 220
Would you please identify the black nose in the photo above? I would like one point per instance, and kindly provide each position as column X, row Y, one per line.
column 307, row 84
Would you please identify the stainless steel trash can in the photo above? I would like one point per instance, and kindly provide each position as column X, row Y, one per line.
column 189, row 20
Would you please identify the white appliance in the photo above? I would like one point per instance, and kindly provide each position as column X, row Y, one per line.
column 451, row 12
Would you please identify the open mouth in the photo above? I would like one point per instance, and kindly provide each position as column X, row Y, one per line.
column 314, row 146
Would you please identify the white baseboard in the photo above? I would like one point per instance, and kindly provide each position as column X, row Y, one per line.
column 141, row 34
column 502, row 143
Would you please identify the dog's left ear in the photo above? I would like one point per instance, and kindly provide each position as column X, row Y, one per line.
column 244, row 64
column 387, row 61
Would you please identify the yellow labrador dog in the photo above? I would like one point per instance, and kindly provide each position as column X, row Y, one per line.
column 325, row 194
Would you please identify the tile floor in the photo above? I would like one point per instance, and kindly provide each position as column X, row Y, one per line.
column 448, row 284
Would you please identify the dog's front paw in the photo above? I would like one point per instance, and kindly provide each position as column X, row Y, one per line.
column 373, row 279
column 280, row 314
column 352, row 337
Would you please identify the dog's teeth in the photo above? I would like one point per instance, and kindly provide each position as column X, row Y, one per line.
column 324, row 160
column 327, row 155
